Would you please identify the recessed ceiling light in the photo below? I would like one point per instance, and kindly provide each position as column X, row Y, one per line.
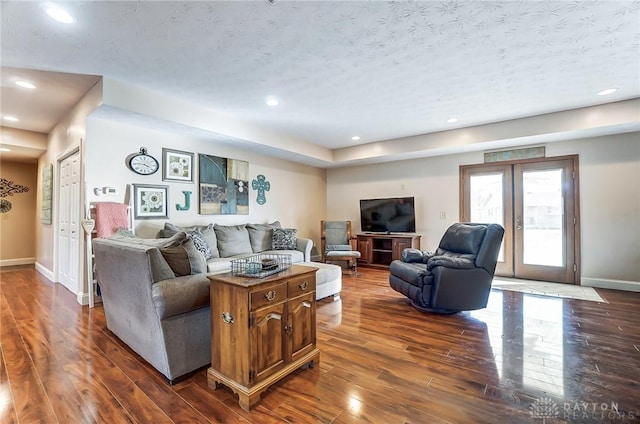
column 452, row 120
column 59, row 14
column 355, row 138
column 272, row 101
column 4, row 149
column 25, row 84
column 607, row 91
column 10, row 118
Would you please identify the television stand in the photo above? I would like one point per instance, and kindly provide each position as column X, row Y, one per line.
column 378, row 250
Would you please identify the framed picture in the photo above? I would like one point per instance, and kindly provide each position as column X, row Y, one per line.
column 47, row 194
column 224, row 185
column 150, row 201
column 177, row 166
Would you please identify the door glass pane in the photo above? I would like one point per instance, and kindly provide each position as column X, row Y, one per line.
column 542, row 217
column 486, row 203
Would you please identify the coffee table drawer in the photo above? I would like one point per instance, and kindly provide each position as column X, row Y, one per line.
column 302, row 285
column 267, row 296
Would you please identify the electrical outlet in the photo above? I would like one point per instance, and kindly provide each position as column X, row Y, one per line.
column 443, row 215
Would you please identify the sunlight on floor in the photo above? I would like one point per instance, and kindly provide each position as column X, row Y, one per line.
column 545, row 288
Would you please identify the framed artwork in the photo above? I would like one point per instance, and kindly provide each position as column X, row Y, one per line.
column 150, row 201
column 47, row 194
column 223, row 185
column 177, row 166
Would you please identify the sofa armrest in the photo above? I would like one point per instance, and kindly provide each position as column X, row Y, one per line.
column 180, row 295
column 304, row 245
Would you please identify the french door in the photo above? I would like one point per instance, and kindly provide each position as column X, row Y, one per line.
column 536, row 203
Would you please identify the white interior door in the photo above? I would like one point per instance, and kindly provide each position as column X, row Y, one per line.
column 69, row 222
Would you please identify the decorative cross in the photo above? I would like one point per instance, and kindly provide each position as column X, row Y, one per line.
column 261, row 184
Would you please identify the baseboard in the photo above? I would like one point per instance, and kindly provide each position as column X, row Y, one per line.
column 18, row 261
column 83, row 299
column 603, row 283
column 45, row 271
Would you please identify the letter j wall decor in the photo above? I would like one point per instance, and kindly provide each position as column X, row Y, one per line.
column 224, row 185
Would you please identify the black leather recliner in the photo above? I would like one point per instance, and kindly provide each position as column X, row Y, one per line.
column 457, row 276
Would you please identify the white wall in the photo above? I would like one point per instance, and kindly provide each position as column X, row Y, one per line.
column 65, row 137
column 296, row 197
column 609, row 196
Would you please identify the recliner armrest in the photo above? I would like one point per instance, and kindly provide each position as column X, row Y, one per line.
column 449, row 262
column 411, row 255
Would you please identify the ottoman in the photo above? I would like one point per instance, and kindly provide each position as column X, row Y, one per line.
column 328, row 279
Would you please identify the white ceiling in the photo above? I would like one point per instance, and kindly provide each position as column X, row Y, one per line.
column 380, row 70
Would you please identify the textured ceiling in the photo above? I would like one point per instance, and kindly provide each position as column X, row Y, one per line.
column 381, row 70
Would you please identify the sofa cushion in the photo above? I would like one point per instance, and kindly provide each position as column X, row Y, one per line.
column 184, row 258
column 232, row 240
column 296, row 255
column 207, row 231
column 180, row 295
column 260, row 235
column 284, row 239
column 219, row 265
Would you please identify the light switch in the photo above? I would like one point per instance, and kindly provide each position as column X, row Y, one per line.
column 443, row 215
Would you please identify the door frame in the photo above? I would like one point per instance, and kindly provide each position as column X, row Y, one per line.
column 509, row 229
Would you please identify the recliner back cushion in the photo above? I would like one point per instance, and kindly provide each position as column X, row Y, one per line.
column 463, row 238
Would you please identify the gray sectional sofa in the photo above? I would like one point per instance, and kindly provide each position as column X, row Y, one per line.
column 229, row 242
column 155, row 292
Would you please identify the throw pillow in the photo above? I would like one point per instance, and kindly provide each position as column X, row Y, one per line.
column 284, row 239
column 184, row 259
column 200, row 243
column 207, row 231
column 260, row 236
column 232, row 240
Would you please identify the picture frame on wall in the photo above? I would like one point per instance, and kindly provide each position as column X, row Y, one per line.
column 151, row 201
column 223, row 185
column 177, row 166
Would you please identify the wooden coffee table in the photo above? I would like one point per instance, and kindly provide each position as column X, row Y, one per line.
column 262, row 329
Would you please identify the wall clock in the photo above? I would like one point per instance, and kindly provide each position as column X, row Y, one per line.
column 143, row 163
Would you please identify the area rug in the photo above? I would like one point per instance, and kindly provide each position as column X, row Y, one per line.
column 544, row 288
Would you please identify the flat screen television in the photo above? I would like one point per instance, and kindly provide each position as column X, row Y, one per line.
column 390, row 215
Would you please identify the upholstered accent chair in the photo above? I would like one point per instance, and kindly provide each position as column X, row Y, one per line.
column 457, row 276
column 338, row 243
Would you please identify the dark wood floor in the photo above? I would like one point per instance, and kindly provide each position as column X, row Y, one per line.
column 524, row 359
